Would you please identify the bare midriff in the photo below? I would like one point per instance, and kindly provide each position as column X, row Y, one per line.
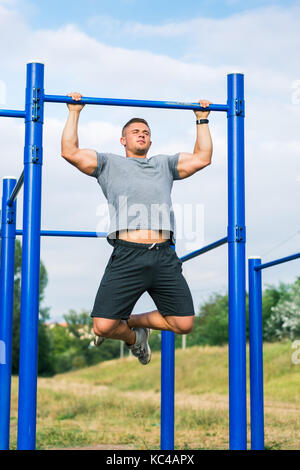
column 144, row 236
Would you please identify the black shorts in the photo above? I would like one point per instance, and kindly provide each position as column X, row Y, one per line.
column 133, row 269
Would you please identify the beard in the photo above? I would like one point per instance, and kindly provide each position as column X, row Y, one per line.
column 141, row 151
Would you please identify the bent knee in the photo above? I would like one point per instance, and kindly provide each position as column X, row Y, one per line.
column 181, row 325
column 185, row 329
column 104, row 326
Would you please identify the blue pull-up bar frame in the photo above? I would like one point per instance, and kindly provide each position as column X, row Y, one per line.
column 31, row 233
column 255, row 268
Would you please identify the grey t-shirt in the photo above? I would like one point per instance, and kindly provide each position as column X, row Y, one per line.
column 138, row 192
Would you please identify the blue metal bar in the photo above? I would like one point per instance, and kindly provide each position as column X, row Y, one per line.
column 277, row 261
column 167, row 395
column 236, row 264
column 62, row 233
column 16, row 190
column 12, row 113
column 6, row 307
column 33, row 153
column 167, row 390
column 256, row 355
column 67, row 233
column 135, row 103
column 206, row 248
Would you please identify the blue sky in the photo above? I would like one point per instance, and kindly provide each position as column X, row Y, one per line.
column 169, row 51
column 56, row 13
column 103, row 20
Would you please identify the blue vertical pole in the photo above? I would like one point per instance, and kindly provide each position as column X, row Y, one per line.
column 167, row 390
column 256, row 354
column 30, row 256
column 236, row 263
column 8, row 237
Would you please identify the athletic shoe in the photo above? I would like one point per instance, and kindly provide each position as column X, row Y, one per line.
column 98, row 340
column 141, row 348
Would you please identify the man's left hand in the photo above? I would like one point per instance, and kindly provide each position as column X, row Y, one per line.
column 203, row 114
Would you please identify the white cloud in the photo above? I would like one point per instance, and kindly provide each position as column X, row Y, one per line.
column 256, row 41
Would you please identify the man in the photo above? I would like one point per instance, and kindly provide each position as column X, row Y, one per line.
column 142, row 259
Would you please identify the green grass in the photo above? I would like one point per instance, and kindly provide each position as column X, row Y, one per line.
column 118, row 402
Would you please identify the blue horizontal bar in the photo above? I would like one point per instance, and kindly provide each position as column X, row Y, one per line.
column 64, row 233
column 12, row 113
column 277, row 261
column 17, row 188
column 206, row 248
column 135, row 103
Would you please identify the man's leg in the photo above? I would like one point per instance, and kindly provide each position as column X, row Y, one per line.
column 113, row 329
column 137, row 341
column 155, row 321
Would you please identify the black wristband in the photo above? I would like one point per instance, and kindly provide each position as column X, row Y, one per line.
column 202, row 121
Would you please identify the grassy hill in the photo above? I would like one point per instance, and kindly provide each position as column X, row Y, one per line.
column 118, row 402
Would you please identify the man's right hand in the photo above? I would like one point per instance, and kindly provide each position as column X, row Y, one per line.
column 84, row 159
column 76, row 97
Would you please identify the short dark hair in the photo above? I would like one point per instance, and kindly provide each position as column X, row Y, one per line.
column 133, row 120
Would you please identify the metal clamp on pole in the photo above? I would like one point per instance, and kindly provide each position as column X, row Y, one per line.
column 239, row 107
column 236, row 233
column 35, row 107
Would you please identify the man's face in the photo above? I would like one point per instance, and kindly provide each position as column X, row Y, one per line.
column 136, row 138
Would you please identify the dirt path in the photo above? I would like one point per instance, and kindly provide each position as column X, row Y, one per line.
column 182, row 400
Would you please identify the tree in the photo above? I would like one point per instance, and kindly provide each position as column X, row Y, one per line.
column 270, row 298
column 211, row 325
column 284, row 321
column 62, row 348
column 44, row 345
column 82, row 352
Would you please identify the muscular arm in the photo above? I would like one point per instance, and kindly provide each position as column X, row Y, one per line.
column 189, row 163
column 84, row 159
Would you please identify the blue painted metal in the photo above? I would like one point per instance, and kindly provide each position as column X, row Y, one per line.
column 277, row 261
column 255, row 268
column 12, row 113
column 236, row 264
column 16, row 190
column 256, row 355
column 167, row 395
column 30, row 256
column 134, row 103
column 167, row 390
column 205, row 249
column 70, row 233
column 8, row 225
column 66, row 233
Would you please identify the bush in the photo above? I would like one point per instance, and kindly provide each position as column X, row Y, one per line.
column 284, row 321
